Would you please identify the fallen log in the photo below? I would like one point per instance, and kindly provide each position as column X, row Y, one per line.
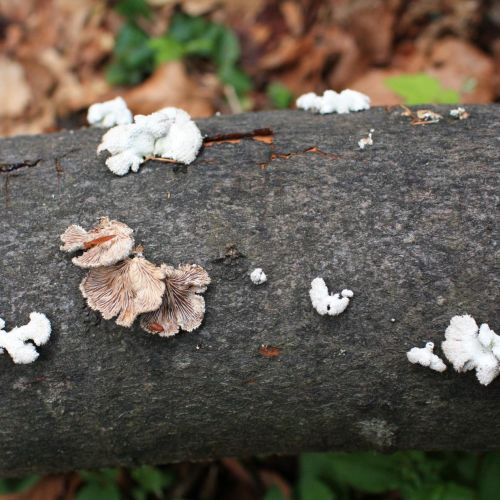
column 410, row 224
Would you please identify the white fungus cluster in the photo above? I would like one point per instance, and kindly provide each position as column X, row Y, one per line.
column 469, row 347
column 16, row 342
column 459, row 113
column 109, row 113
column 424, row 356
column 324, row 303
column 366, row 141
column 333, row 102
column 168, row 133
column 258, row 276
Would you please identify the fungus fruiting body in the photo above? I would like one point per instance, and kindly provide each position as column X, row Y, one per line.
column 424, row 356
column 258, row 276
column 459, row 113
column 126, row 289
column 104, row 245
column 109, row 113
column 15, row 342
column 324, row 303
column 182, row 307
column 333, row 102
column 428, row 115
column 469, row 347
column 169, row 133
column 366, row 141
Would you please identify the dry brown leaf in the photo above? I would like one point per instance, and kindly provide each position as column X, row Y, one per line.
column 15, row 94
column 269, row 351
column 170, row 85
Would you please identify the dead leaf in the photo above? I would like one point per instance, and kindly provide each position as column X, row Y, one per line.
column 269, row 351
column 170, row 85
column 15, row 94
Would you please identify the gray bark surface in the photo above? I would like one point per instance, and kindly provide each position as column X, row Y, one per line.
column 409, row 224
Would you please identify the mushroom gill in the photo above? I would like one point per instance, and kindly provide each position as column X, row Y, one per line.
column 127, row 289
column 181, row 307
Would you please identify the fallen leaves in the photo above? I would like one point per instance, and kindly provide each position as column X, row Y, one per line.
column 269, row 351
column 171, row 85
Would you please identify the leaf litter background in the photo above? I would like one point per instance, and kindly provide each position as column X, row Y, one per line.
column 55, row 55
column 59, row 56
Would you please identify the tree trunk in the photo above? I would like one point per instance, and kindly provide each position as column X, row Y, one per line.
column 410, row 224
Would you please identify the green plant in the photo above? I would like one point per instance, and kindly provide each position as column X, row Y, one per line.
column 150, row 481
column 99, row 485
column 280, row 96
column 420, row 88
column 195, row 36
column 17, row 485
column 414, row 475
column 133, row 58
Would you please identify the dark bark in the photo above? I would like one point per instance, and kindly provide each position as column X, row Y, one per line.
column 410, row 224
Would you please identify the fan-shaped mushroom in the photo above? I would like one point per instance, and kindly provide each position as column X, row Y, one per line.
column 106, row 244
column 126, row 289
column 182, row 307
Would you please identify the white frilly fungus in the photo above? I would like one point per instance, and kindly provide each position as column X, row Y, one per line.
column 333, row 102
column 16, row 342
column 468, row 347
column 459, row 113
column 109, row 113
column 324, row 303
column 258, row 276
column 169, row 133
column 366, row 141
column 425, row 357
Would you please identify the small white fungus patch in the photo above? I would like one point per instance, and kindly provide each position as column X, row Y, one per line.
column 168, row 133
column 333, row 102
column 459, row 113
column 258, row 276
column 366, row 141
column 109, row 113
column 324, row 303
column 424, row 356
column 468, row 347
column 16, row 342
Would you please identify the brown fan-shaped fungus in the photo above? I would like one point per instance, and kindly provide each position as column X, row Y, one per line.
column 181, row 306
column 127, row 289
column 104, row 245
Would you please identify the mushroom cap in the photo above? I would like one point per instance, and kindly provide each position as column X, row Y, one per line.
column 181, row 307
column 127, row 289
column 106, row 244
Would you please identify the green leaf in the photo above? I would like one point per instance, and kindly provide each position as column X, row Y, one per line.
column 279, row 95
column 368, row 472
column 310, row 488
column 273, row 493
column 420, row 88
column 103, row 476
column 236, row 78
column 185, row 28
column 228, row 49
column 98, row 491
column 166, row 49
column 133, row 8
column 132, row 56
column 152, row 479
column 489, row 477
column 17, row 485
